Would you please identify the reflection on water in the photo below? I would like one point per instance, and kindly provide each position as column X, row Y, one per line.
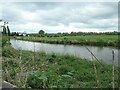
column 104, row 53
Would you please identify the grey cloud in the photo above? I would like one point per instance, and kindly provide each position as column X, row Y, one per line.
column 33, row 6
column 53, row 14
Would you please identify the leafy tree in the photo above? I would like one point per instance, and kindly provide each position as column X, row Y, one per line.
column 4, row 30
column 8, row 30
column 41, row 32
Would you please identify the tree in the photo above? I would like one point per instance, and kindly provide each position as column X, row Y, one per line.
column 4, row 30
column 41, row 32
column 8, row 30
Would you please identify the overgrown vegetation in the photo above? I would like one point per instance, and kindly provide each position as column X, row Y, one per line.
column 22, row 69
column 5, row 40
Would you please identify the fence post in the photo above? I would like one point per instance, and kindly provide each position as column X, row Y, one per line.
column 97, row 80
column 113, row 85
column 34, row 50
column 34, row 56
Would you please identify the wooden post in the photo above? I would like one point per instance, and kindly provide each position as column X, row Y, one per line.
column 97, row 80
column 113, row 85
column 98, row 83
column 34, row 56
column 34, row 50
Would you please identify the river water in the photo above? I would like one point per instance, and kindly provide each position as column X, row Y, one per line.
column 104, row 53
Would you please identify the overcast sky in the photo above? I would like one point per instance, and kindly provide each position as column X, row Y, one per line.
column 53, row 17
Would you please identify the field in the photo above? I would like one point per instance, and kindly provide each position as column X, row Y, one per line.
column 93, row 40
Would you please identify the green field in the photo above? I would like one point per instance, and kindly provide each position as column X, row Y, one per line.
column 93, row 40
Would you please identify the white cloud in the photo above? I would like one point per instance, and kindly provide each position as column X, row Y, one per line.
column 1, row 6
column 61, row 17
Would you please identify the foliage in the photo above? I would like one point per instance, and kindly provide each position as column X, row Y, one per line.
column 41, row 32
column 8, row 30
column 4, row 30
column 75, row 34
column 53, row 70
column 5, row 40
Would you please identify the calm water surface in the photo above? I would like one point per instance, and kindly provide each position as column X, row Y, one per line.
column 104, row 53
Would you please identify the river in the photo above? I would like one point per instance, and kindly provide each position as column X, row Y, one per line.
column 103, row 53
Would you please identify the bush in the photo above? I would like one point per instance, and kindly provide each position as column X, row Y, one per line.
column 64, row 69
column 7, row 53
column 5, row 40
column 37, row 80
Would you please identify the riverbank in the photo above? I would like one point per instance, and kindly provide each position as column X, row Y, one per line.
column 40, row 70
column 76, row 50
column 91, row 40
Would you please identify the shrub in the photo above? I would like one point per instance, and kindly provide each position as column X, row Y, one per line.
column 5, row 40
column 64, row 69
column 7, row 53
column 37, row 80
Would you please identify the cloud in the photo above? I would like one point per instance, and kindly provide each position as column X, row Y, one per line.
column 1, row 6
column 61, row 17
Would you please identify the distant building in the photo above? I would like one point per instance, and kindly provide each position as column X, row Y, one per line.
column 1, row 25
column 22, row 34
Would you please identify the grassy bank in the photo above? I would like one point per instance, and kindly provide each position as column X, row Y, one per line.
column 40, row 70
column 93, row 40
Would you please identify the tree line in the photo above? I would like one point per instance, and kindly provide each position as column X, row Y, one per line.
column 41, row 33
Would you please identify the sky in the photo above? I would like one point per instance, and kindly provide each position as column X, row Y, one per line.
column 54, row 17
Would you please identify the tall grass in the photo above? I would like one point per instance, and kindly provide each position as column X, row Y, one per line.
column 53, row 71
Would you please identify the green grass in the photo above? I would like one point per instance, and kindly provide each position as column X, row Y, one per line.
column 95, row 40
column 53, row 70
